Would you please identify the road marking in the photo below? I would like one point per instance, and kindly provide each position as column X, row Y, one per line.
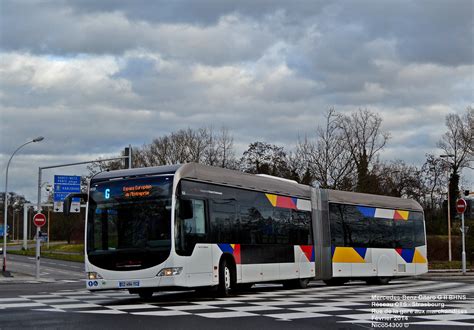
column 13, row 299
column 70, row 306
column 161, row 313
column 221, row 315
column 20, row 305
column 136, row 306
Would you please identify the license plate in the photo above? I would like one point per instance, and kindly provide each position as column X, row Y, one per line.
column 129, row 284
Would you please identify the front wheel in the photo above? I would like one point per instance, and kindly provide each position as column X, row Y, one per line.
column 145, row 293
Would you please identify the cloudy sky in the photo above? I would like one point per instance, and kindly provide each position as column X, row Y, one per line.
column 94, row 76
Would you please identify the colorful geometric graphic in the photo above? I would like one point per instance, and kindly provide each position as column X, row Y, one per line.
column 418, row 258
column 406, row 254
column 384, row 213
column 361, row 251
column 412, row 256
column 282, row 201
column 289, row 202
column 372, row 212
column 348, row 254
column 308, row 250
column 368, row 212
column 401, row 215
column 233, row 249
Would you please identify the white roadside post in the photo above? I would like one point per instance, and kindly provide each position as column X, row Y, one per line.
column 461, row 206
column 37, row 228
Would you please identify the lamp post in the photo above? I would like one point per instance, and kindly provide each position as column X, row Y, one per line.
column 450, row 258
column 5, row 215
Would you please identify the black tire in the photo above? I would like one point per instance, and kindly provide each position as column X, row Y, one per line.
column 335, row 281
column 243, row 286
column 299, row 283
column 145, row 293
column 226, row 279
column 378, row 280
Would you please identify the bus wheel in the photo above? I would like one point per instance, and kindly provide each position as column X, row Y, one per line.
column 378, row 280
column 299, row 283
column 243, row 286
column 225, row 279
column 383, row 280
column 145, row 293
column 334, row 281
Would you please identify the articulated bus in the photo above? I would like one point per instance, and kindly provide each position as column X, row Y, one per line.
column 201, row 227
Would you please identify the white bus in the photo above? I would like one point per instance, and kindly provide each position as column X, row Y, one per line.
column 195, row 226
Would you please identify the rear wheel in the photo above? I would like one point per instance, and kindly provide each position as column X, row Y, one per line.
column 299, row 283
column 378, row 280
column 335, row 281
column 244, row 286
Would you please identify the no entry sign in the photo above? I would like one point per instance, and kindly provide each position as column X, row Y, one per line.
column 39, row 220
column 461, row 206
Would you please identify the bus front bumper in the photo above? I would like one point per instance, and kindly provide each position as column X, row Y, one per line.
column 124, row 283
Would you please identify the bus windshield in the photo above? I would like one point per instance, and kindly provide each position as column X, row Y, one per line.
column 129, row 223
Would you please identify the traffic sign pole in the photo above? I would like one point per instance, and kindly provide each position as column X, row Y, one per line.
column 463, row 254
column 461, row 206
column 39, row 220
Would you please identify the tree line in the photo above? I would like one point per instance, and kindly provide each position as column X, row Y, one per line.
column 343, row 153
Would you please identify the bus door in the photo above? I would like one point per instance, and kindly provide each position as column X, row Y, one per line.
column 193, row 240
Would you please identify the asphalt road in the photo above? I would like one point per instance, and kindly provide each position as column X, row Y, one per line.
column 49, row 268
column 422, row 304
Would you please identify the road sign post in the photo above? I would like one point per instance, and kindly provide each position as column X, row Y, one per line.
column 461, row 206
column 39, row 220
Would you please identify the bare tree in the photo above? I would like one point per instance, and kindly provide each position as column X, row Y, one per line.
column 220, row 149
column 457, row 142
column 201, row 145
column 327, row 159
column 363, row 136
column 265, row 158
column 398, row 179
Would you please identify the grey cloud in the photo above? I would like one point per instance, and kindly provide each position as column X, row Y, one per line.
column 93, row 76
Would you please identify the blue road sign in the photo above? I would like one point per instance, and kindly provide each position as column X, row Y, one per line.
column 64, row 185
column 1, row 230
column 67, row 179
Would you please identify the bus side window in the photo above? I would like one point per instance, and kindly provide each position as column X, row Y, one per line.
column 419, row 228
column 336, row 218
column 193, row 230
column 196, row 224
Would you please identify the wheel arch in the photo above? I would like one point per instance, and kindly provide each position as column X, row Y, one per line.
column 229, row 258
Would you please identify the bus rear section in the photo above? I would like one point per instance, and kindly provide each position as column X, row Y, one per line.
column 372, row 238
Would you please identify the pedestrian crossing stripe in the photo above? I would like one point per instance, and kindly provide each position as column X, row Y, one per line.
column 350, row 303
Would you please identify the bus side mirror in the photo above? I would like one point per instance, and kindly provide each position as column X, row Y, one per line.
column 185, row 209
column 68, row 200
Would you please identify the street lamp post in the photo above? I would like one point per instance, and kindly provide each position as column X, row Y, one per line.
column 5, row 215
column 450, row 257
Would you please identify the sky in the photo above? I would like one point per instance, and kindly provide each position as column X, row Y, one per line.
column 95, row 76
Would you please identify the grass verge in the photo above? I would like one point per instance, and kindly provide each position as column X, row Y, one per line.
column 71, row 252
column 455, row 264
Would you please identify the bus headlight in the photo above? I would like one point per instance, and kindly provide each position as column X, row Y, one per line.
column 170, row 271
column 93, row 276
